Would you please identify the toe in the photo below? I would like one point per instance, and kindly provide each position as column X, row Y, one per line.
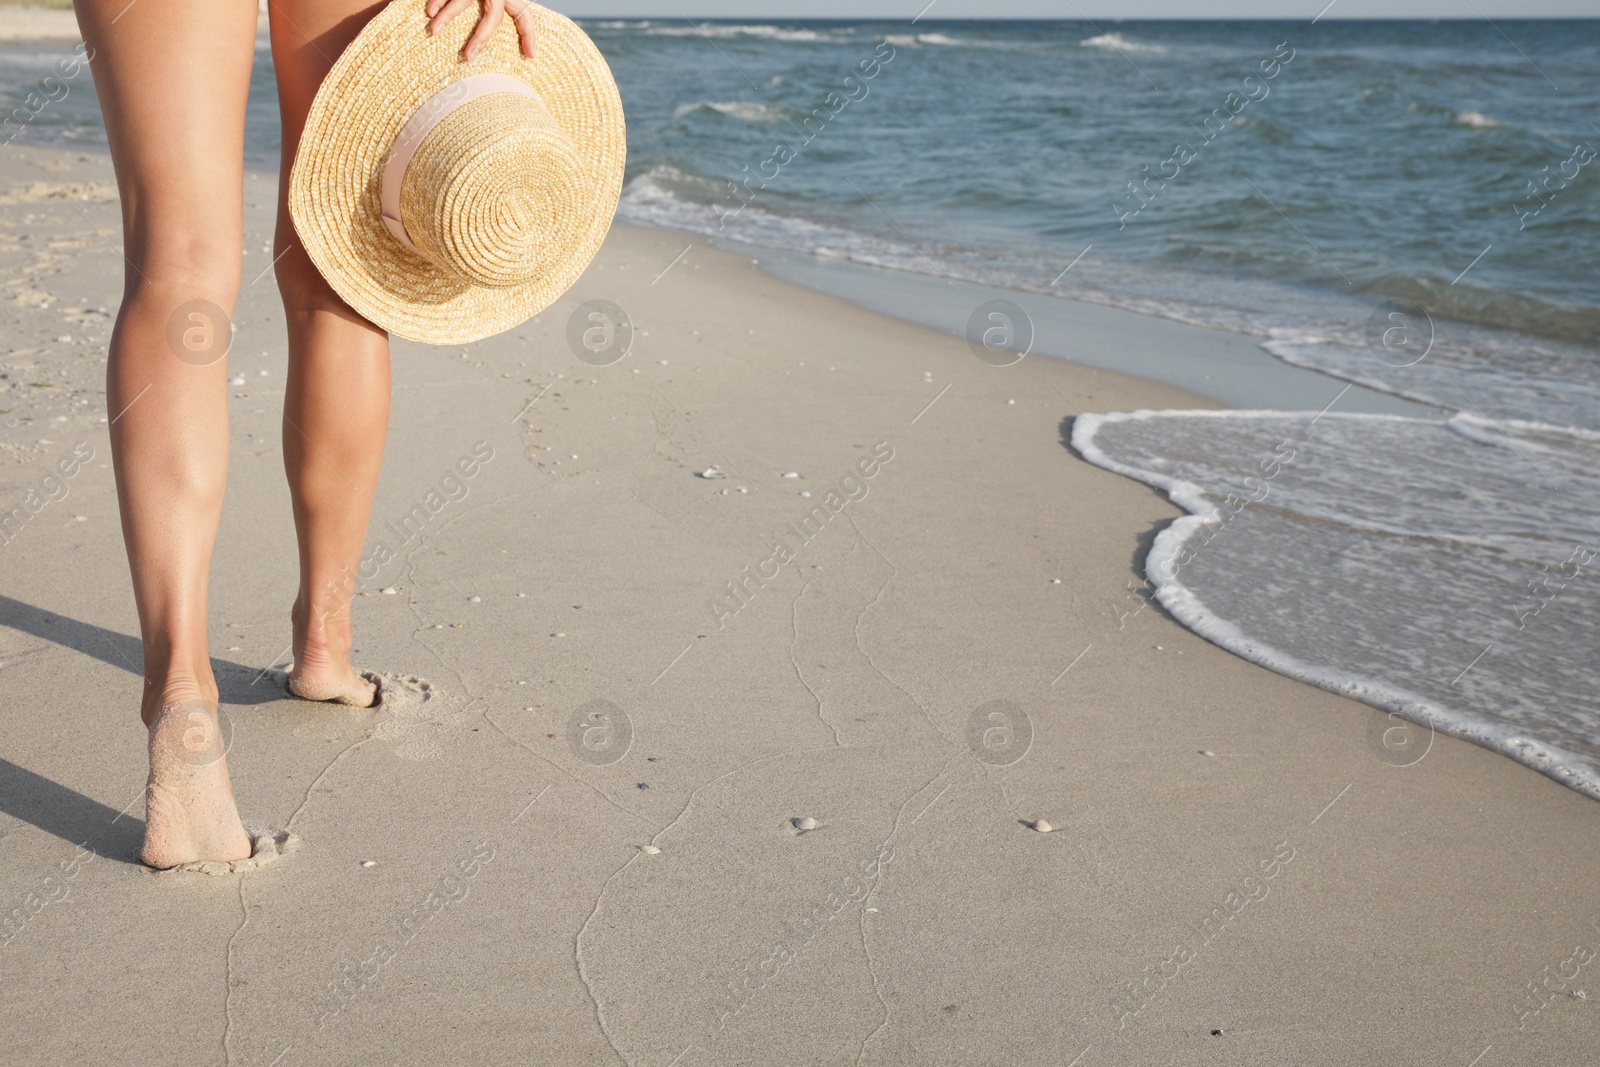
column 365, row 693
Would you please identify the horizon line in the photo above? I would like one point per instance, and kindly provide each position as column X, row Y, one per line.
column 1117, row 20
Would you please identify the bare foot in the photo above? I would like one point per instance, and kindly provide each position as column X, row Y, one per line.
column 322, row 668
column 189, row 808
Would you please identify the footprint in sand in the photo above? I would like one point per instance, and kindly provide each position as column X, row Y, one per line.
column 267, row 848
column 412, row 722
column 413, row 726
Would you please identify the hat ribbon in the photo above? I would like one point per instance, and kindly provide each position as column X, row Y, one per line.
column 432, row 112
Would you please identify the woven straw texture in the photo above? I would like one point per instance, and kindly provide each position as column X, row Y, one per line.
column 513, row 199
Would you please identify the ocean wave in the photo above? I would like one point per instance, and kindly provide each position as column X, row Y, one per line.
column 670, row 198
column 1116, row 42
column 1402, row 545
column 1464, row 302
column 1456, row 116
column 945, row 40
column 1264, row 128
column 1498, row 378
column 765, row 32
column 35, row 62
column 743, row 110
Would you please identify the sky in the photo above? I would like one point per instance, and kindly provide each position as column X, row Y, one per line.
column 1071, row 9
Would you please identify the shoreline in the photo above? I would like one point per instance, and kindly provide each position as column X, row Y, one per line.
column 1198, row 800
column 1219, row 367
column 1224, row 366
column 1170, row 545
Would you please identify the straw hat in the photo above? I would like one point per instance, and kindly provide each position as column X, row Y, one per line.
column 447, row 200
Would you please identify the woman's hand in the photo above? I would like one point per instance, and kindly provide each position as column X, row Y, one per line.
column 441, row 12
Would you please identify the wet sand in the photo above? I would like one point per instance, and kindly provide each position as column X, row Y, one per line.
column 590, row 652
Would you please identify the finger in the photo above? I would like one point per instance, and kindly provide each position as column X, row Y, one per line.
column 494, row 13
column 522, row 14
column 443, row 11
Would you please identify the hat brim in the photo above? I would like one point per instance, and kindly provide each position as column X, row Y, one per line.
column 390, row 69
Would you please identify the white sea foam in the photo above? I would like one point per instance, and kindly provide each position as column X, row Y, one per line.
column 1422, row 566
column 669, row 198
column 917, row 40
column 1116, row 42
column 744, row 110
column 1488, row 376
column 725, row 31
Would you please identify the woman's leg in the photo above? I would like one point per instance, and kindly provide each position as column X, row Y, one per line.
column 172, row 77
column 336, row 413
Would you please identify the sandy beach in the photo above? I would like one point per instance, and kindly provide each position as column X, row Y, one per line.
column 28, row 23
column 614, row 690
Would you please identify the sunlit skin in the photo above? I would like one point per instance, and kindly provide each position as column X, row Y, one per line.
column 173, row 77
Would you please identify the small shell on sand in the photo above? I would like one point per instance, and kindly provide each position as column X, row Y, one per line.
column 369, row 863
column 805, row 823
column 791, row 474
column 711, row 472
column 1042, row 826
column 650, row 850
column 388, row 590
column 267, row 848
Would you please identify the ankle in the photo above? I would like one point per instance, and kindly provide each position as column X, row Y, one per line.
column 322, row 628
column 169, row 684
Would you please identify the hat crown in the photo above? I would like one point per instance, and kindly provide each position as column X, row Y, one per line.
column 496, row 193
column 502, row 229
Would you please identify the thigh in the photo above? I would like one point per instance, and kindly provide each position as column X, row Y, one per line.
column 307, row 37
column 173, row 77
